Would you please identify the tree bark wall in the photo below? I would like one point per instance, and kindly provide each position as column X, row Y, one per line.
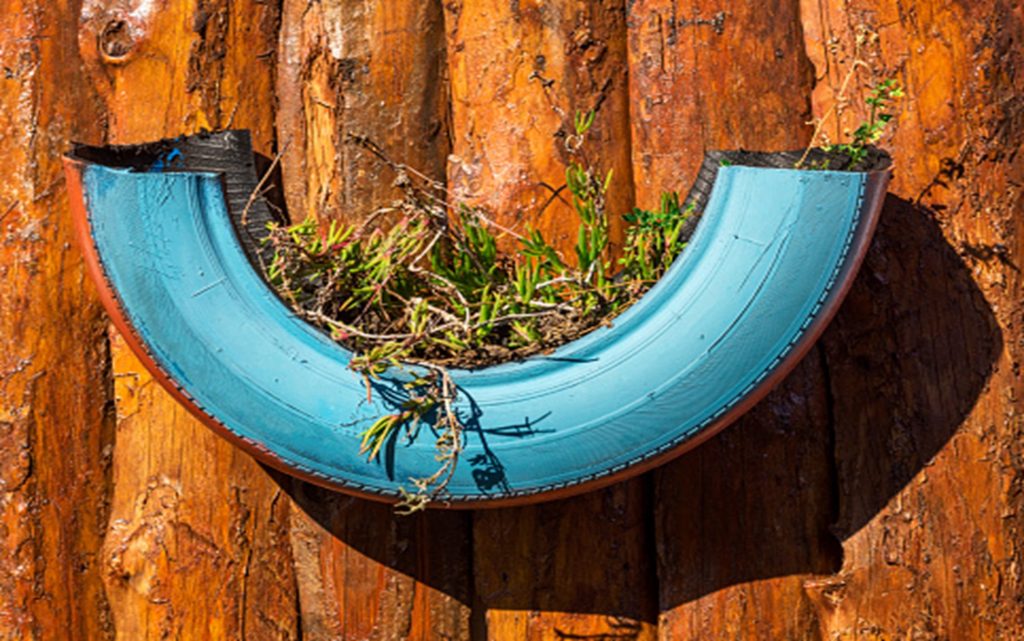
column 197, row 541
column 929, row 471
column 56, row 430
column 374, row 69
column 508, row 130
column 876, row 495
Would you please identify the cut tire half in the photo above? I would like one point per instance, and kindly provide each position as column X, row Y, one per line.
column 765, row 269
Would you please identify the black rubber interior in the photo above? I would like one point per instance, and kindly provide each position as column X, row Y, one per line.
column 228, row 153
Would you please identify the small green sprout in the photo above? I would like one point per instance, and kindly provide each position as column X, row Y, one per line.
column 880, row 101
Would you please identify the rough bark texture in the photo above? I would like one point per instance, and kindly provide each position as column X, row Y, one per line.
column 712, row 74
column 56, row 432
column 877, row 495
column 197, row 545
column 508, row 131
column 365, row 573
column 924, row 360
column 374, row 69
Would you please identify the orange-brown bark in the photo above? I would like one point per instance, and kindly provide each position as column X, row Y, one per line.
column 709, row 74
column 508, row 130
column 373, row 69
column 366, row 573
column 924, row 359
column 55, row 430
column 198, row 540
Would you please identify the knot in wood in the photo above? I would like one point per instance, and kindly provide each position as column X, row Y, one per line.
column 116, row 42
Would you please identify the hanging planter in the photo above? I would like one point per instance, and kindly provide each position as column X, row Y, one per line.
column 170, row 233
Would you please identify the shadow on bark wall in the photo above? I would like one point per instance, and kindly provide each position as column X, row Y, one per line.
column 894, row 376
column 908, row 357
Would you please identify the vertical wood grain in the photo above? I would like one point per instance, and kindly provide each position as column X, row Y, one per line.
column 197, row 545
column 710, row 74
column 508, row 132
column 366, row 573
column 743, row 519
column 55, row 428
column 373, row 68
column 924, row 367
column 578, row 568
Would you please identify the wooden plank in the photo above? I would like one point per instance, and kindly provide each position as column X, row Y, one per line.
column 579, row 568
column 198, row 542
column 708, row 74
column 742, row 520
column 375, row 69
column 924, row 361
column 366, row 573
column 191, row 515
column 508, row 132
column 55, row 428
column 576, row 568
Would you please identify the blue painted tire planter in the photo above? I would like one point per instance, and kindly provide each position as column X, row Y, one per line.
column 766, row 267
